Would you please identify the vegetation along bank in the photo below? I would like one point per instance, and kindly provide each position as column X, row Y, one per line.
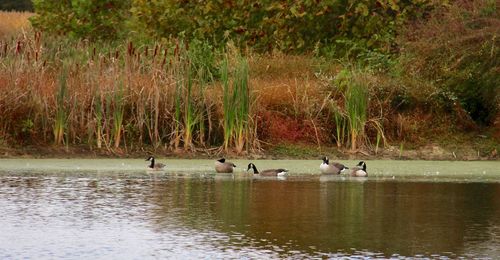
column 373, row 79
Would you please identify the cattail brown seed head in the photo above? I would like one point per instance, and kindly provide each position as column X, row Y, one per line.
column 129, row 49
column 163, row 61
column 18, row 47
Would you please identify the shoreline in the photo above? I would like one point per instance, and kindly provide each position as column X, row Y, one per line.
column 431, row 152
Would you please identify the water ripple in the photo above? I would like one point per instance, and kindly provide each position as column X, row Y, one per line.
column 117, row 216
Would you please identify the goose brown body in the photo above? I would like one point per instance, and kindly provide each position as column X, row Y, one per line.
column 221, row 166
column 331, row 168
column 268, row 172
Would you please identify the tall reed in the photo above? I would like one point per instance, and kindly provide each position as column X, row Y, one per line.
column 236, row 104
column 189, row 114
column 227, row 105
column 356, row 100
column 178, row 94
column 126, row 95
column 341, row 125
column 61, row 116
column 203, row 113
column 352, row 119
column 118, row 100
column 241, row 96
column 98, row 119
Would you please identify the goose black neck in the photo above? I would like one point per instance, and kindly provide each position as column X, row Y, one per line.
column 255, row 169
column 152, row 164
column 363, row 165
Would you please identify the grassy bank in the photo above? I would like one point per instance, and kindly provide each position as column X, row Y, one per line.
column 60, row 96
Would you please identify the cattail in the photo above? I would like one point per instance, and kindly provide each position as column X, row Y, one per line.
column 18, row 47
column 176, row 50
column 129, row 49
column 156, row 50
column 38, row 36
column 163, row 62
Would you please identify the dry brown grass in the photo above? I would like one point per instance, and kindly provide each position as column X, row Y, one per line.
column 289, row 101
column 32, row 82
column 12, row 23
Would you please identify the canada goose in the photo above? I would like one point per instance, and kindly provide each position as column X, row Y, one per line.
column 359, row 170
column 221, row 166
column 153, row 165
column 270, row 172
column 331, row 168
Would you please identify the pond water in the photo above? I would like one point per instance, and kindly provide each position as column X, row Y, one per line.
column 105, row 209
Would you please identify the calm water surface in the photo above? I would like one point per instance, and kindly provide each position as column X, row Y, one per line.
column 103, row 209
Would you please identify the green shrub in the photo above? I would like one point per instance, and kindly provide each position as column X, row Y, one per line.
column 456, row 49
column 93, row 19
column 291, row 26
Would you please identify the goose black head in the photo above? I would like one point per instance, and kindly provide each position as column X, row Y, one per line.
column 252, row 166
column 222, row 160
column 325, row 160
column 363, row 165
column 150, row 158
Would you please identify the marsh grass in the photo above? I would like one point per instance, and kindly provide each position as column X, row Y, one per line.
column 356, row 100
column 377, row 144
column 341, row 126
column 166, row 95
column 118, row 111
column 114, row 97
column 228, row 120
column 352, row 120
column 61, row 115
column 190, row 118
column 236, row 105
column 98, row 116
column 241, row 98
